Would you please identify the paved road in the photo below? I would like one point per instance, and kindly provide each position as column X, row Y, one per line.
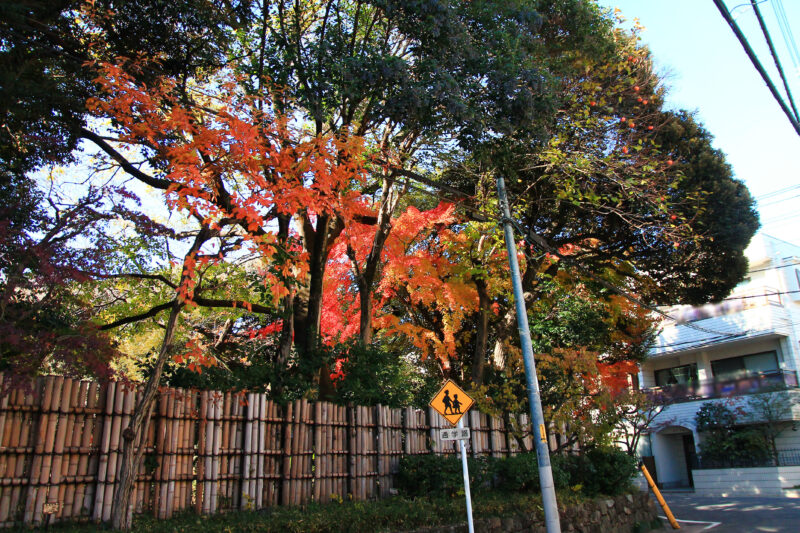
column 735, row 515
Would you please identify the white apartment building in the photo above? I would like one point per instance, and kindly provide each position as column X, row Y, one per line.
column 726, row 352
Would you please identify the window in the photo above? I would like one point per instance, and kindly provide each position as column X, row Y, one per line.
column 678, row 375
column 746, row 365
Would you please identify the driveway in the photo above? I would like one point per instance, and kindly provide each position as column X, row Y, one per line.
column 735, row 515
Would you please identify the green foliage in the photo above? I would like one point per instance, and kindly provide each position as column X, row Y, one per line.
column 372, row 375
column 724, row 215
column 726, row 443
column 606, row 471
column 714, row 416
column 520, row 473
column 381, row 516
column 47, row 48
column 428, row 474
column 257, row 369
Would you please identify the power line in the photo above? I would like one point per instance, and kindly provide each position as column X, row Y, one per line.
column 700, row 343
column 773, row 267
column 784, row 218
column 778, row 192
column 774, row 54
column 756, row 63
column 786, row 32
column 776, row 293
column 773, row 202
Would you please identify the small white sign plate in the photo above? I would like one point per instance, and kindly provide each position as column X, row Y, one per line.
column 454, row 434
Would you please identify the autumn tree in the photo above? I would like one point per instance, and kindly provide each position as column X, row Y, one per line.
column 226, row 162
column 50, row 243
column 621, row 188
column 409, row 78
column 46, row 47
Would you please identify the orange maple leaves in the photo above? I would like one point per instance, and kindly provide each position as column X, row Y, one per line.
column 225, row 161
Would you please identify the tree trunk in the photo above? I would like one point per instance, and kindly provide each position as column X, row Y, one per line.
column 133, row 436
column 365, row 277
column 482, row 336
column 308, row 304
column 365, row 321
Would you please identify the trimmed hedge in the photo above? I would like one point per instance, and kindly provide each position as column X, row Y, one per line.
column 597, row 471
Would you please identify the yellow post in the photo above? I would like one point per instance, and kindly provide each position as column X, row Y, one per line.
column 659, row 497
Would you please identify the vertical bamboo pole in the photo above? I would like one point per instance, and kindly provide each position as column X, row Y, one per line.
column 208, row 459
column 248, row 450
column 105, row 441
column 69, row 464
column 174, row 435
column 317, row 451
column 114, row 448
column 257, row 452
column 162, row 447
column 61, row 404
column 287, row 456
column 294, row 450
column 202, row 450
column 90, row 442
column 7, row 462
column 258, row 443
column 225, row 449
column 191, row 444
column 217, row 451
column 26, row 419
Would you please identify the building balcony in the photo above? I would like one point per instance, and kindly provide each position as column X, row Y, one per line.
column 742, row 322
column 707, row 389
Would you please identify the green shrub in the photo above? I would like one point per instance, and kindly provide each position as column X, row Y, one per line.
column 436, row 475
column 599, row 471
column 518, row 473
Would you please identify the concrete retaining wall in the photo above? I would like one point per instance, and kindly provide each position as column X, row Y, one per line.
column 766, row 481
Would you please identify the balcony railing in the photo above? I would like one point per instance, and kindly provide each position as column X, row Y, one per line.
column 760, row 382
column 790, row 457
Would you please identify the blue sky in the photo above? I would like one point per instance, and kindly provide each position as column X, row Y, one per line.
column 707, row 71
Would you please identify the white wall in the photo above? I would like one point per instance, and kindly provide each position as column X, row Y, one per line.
column 670, row 460
column 770, row 481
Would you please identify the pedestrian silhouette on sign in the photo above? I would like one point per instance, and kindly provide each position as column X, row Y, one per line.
column 456, row 409
column 448, row 403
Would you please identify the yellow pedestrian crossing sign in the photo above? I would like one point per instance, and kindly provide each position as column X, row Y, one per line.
column 451, row 402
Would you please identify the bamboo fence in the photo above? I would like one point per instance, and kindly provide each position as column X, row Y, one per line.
column 61, row 444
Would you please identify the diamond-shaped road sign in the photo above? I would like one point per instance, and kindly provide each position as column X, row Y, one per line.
column 451, row 402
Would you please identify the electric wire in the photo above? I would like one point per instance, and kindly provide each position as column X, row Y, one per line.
column 780, row 200
column 775, row 58
column 756, row 63
column 778, row 192
column 786, row 32
column 773, row 267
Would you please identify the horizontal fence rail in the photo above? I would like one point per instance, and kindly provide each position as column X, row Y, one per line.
column 61, row 443
column 785, row 457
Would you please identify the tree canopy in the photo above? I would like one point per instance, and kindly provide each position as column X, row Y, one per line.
column 279, row 195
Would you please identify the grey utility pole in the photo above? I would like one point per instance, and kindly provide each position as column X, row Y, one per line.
column 549, row 502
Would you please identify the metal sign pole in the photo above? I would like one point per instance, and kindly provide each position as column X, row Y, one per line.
column 465, row 470
column 549, row 502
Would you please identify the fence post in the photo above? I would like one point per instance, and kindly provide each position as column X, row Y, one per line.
column 430, row 416
column 287, row 454
column 105, row 439
column 380, row 439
